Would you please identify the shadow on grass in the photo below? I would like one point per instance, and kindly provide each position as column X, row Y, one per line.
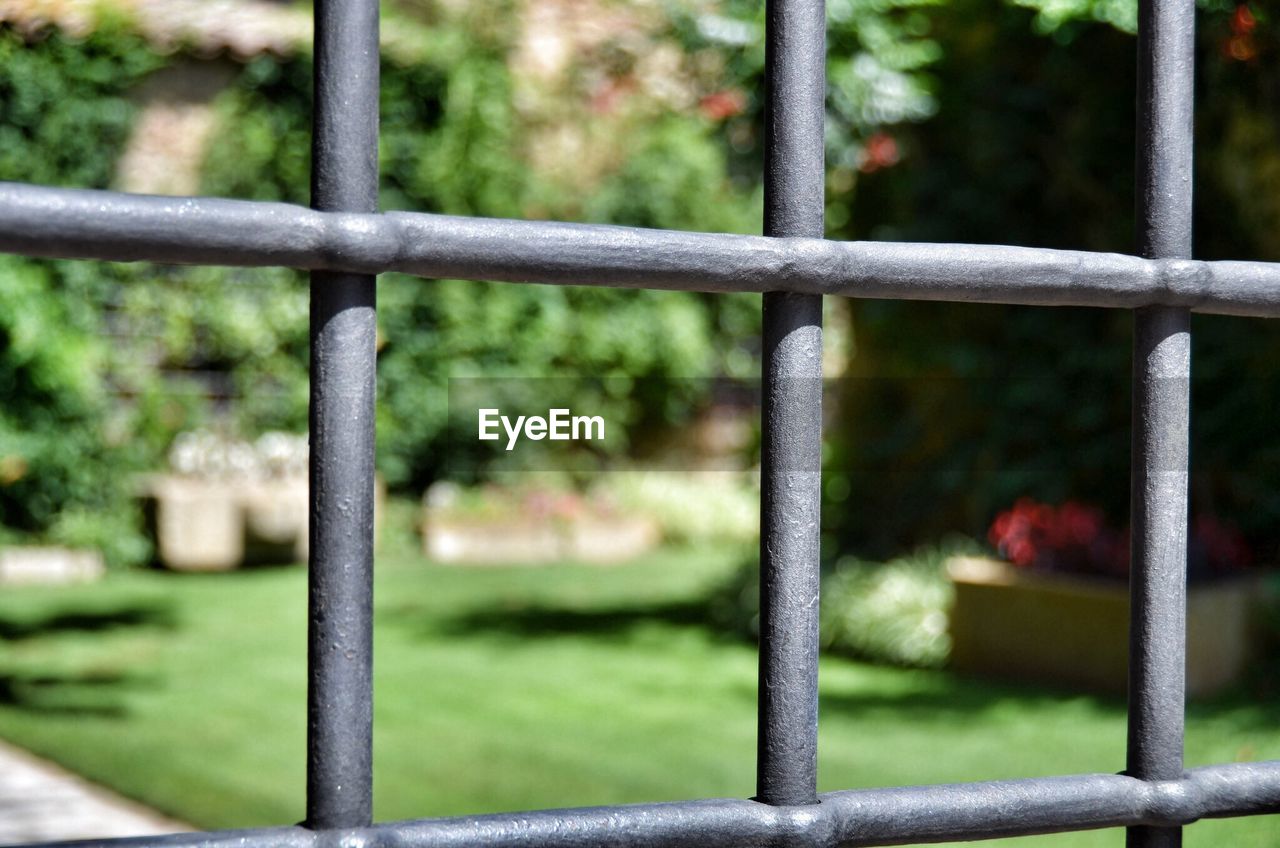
column 610, row 622
column 85, row 694
column 92, row 692
column 922, row 695
column 943, row 696
column 87, row 621
column 1251, row 707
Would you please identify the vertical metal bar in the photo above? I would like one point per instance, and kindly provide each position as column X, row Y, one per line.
column 1161, row 408
column 787, row 752
column 344, row 177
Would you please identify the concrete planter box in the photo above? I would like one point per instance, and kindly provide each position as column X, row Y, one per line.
column 1072, row 632
column 219, row 525
column 524, row 541
column 49, row 566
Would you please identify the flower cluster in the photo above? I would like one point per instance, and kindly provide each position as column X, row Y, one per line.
column 1241, row 45
column 1074, row 537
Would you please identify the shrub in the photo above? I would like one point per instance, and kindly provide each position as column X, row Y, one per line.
column 64, row 117
column 58, row 465
column 894, row 613
column 455, row 140
column 452, row 141
column 693, row 507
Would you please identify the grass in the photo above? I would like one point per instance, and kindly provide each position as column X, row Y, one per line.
column 514, row 688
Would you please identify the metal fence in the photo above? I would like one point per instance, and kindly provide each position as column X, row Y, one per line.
column 344, row 242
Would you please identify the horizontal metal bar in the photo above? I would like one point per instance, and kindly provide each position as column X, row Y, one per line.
column 860, row 817
column 77, row 224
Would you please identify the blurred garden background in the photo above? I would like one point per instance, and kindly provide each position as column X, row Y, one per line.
column 586, row 677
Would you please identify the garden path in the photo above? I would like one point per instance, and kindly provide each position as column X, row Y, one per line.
column 41, row 802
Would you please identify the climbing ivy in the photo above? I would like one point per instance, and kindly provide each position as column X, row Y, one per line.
column 64, row 117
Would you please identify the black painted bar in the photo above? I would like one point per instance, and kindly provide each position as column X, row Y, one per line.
column 1161, row 408
column 791, row 413
column 344, row 178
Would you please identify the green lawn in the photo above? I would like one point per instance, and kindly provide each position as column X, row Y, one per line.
column 513, row 688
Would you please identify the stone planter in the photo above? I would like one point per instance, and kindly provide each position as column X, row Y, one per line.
column 49, row 566
column 522, row 541
column 204, row 524
column 1072, row 632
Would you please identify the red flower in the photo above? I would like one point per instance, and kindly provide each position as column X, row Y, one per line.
column 880, row 151
column 1241, row 46
column 1075, row 537
column 1243, row 21
column 723, row 104
column 1072, row 537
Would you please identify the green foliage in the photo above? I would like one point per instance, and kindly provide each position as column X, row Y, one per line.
column 64, row 110
column 57, row 466
column 240, row 334
column 1053, row 14
column 461, row 157
column 879, row 55
column 451, row 142
column 940, row 432
column 64, row 116
column 1002, row 138
column 960, row 409
column 262, row 147
column 675, row 180
column 957, row 410
column 892, row 613
column 468, row 330
column 694, row 508
column 895, row 612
